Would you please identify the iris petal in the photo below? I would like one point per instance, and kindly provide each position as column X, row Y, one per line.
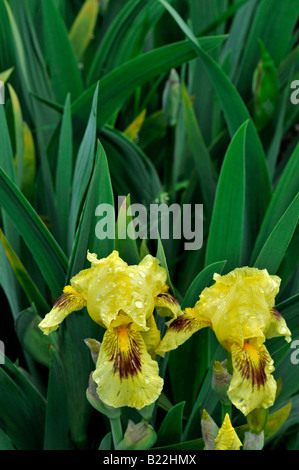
column 125, row 374
column 67, row 303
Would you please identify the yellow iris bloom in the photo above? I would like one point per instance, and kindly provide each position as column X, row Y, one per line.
column 239, row 307
column 121, row 298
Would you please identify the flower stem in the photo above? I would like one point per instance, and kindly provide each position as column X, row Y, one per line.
column 117, row 433
column 226, row 409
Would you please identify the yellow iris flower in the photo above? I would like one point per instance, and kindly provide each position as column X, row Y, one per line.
column 239, row 307
column 121, row 298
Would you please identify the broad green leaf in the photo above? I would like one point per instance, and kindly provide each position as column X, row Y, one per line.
column 83, row 168
column 19, row 134
column 170, row 431
column 63, row 66
column 132, row 172
column 275, row 30
column 275, row 246
column 83, row 27
column 258, row 188
column 32, row 339
column 122, row 42
column 276, row 420
column 5, row 442
column 106, row 442
column 285, row 192
column 43, row 247
column 226, row 233
column 30, row 289
column 22, row 408
column 29, row 165
column 56, row 430
column 99, row 194
column 201, row 157
column 63, row 180
column 125, row 241
column 4, row 76
column 137, row 71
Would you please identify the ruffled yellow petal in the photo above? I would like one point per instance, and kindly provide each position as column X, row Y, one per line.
column 239, row 305
column 252, row 385
column 116, row 286
column 278, row 326
column 125, row 373
column 67, row 303
column 151, row 336
column 227, row 438
column 180, row 329
column 167, row 305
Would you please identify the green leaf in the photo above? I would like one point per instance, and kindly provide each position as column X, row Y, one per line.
column 19, row 133
column 83, row 168
column 125, row 242
column 226, row 233
column 137, row 71
column 99, row 192
column 132, row 172
column 56, row 430
column 258, row 188
column 276, row 420
column 64, row 172
column 83, row 27
column 5, row 442
column 43, row 247
column 170, row 431
column 30, row 289
column 285, row 192
column 34, row 342
column 63, row 66
column 22, row 408
column 274, row 249
column 201, row 157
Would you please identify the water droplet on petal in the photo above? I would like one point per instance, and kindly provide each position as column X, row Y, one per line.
column 139, row 304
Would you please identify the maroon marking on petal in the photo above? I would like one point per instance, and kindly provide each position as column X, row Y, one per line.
column 276, row 314
column 127, row 363
column 251, row 371
column 168, row 297
column 181, row 323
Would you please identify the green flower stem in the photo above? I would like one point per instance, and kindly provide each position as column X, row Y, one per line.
column 117, row 432
column 226, row 409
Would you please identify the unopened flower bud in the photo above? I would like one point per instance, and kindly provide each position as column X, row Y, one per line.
column 171, row 98
column 94, row 347
column 253, row 441
column 257, row 420
column 209, row 430
column 220, row 381
column 94, row 400
column 265, row 89
column 140, row 436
